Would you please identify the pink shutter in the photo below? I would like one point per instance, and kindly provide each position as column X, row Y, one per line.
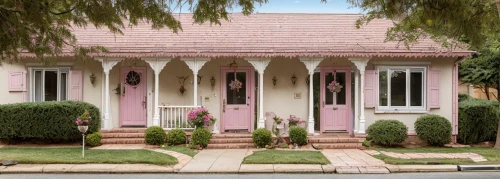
column 17, row 81
column 433, row 89
column 371, row 84
column 76, row 85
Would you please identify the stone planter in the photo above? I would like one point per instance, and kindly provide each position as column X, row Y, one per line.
column 83, row 129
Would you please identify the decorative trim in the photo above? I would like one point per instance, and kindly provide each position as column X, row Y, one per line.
column 401, row 63
column 360, row 63
column 57, row 64
column 108, row 63
column 195, row 64
column 157, row 64
column 259, row 64
column 311, row 63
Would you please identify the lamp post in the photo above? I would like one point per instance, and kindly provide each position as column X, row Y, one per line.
column 83, row 129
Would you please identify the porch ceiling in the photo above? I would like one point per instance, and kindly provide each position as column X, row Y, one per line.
column 261, row 35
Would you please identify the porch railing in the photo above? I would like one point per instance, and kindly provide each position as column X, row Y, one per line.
column 175, row 117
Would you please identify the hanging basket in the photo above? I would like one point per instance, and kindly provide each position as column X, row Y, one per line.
column 83, row 129
column 235, row 85
column 334, row 86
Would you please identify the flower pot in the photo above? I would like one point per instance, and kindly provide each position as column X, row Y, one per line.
column 83, row 129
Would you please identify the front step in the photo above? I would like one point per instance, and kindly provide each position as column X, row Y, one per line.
column 122, row 141
column 337, row 146
column 231, row 146
column 232, row 136
column 125, row 130
column 122, row 135
column 230, row 140
column 334, row 140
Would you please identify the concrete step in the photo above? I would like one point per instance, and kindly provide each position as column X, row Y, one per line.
column 230, row 140
column 122, row 135
column 124, row 130
column 232, row 135
column 337, row 145
column 231, row 146
column 334, row 140
column 123, row 141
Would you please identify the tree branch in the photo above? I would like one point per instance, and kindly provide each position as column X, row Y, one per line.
column 64, row 12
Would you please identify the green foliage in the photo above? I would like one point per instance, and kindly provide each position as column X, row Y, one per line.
column 283, row 145
column 53, row 121
column 366, row 143
column 477, row 120
column 460, row 20
column 298, row 135
column 93, row 139
column 44, row 27
column 176, row 136
column 201, row 136
column 262, row 137
column 463, row 97
column 387, row 132
column 155, row 135
column 434, row 129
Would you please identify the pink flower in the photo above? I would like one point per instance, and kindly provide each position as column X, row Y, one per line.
column 85, row 121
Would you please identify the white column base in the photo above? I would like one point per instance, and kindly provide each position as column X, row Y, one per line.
column 362, row 125
column 156, row 119
column 262, row 123
column 216, row 129
column 310, row 126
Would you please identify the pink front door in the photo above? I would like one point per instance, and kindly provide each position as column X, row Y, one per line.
column 335, row 106
column 237, row 104
column 133, row 96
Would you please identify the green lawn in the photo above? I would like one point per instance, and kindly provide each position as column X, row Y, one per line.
column 493, row 155
column 74, row 156
column 181, row 149
column 286, row 157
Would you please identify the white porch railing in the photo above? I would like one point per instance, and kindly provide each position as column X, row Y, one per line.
column 175, row 117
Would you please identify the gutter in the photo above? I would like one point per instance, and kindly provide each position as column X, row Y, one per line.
column 454, row 121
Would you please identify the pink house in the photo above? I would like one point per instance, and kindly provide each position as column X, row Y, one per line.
column 285, row 63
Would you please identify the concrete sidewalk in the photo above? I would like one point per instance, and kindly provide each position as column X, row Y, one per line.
column 86, row 168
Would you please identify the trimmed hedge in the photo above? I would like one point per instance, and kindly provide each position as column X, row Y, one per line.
column 387, row 132
column 262, row 137
column 434, row 129
column 477, row 120
column 155, row 135
column 176, row 137
column 201, row 136
column 298, row 135
column 53, row 121
column 93, row 139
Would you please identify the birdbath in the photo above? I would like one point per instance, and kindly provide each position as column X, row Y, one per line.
column 83, row 129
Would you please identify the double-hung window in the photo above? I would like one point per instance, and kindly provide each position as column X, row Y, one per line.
column 402, row 88
column 49, row 84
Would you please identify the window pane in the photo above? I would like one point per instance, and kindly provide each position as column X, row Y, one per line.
column 38, row 86
column 341, row 95
column 328, row 95
column 416, row 88
column 398, row 87
column 236, row 96
column 50, row 86
column 63, row 86
column 382, row 77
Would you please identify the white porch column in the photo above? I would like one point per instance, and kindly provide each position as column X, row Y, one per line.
column 361, row 65
column 311, row 64
column 195, row 65
column 260, row 65
column 356, row 99
column 107, row 65
column 157, row 65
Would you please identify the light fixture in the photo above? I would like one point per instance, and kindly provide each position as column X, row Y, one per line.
column 212, row 81
column 199, row 78
column 92, row 78
column 307, row 79
column 294, row 79
column 274, row 81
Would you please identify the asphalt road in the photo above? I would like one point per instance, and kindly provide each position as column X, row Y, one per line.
column 454, row 175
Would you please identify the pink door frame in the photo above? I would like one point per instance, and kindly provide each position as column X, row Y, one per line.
column 349, row 121
column 138, row 107
column 250, row 92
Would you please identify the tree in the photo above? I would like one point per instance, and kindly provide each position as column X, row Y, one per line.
column 450, row 22
column 43, row 27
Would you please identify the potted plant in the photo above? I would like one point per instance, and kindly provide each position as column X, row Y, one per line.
column 200, row 118
column 83, row 121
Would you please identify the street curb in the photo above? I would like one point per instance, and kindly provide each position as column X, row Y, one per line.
column 478, row 167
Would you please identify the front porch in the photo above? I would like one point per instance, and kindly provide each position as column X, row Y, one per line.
column 166, row 89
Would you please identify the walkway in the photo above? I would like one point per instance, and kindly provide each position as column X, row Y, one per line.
column 474, row 157
column 216, row 161
column 354, row 161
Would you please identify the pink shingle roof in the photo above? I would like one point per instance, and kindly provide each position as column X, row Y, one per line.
column 262, row 35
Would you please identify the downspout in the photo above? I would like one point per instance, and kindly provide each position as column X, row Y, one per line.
column 454, row 121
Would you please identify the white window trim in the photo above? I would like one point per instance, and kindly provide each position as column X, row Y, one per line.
column 407, row 108
column 59, row 70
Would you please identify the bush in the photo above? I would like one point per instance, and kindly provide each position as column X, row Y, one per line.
column 477, row 121
column 155, row 135
column 262, row 137
column 53, row 121
column 434, row 129
column 366, row 143
column 201, row 136
column 298, row 135
column 93, row 139
column 176, row 136
column 463, row 97
column 387, row 132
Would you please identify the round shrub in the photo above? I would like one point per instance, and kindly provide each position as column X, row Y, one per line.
column 93, row 139
column 477, row 120
column 155, row 135
column 262, row 137
column 388, row 132
column 176, row 136
column 434, row 129
column 298, row 135
column 201, row 136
